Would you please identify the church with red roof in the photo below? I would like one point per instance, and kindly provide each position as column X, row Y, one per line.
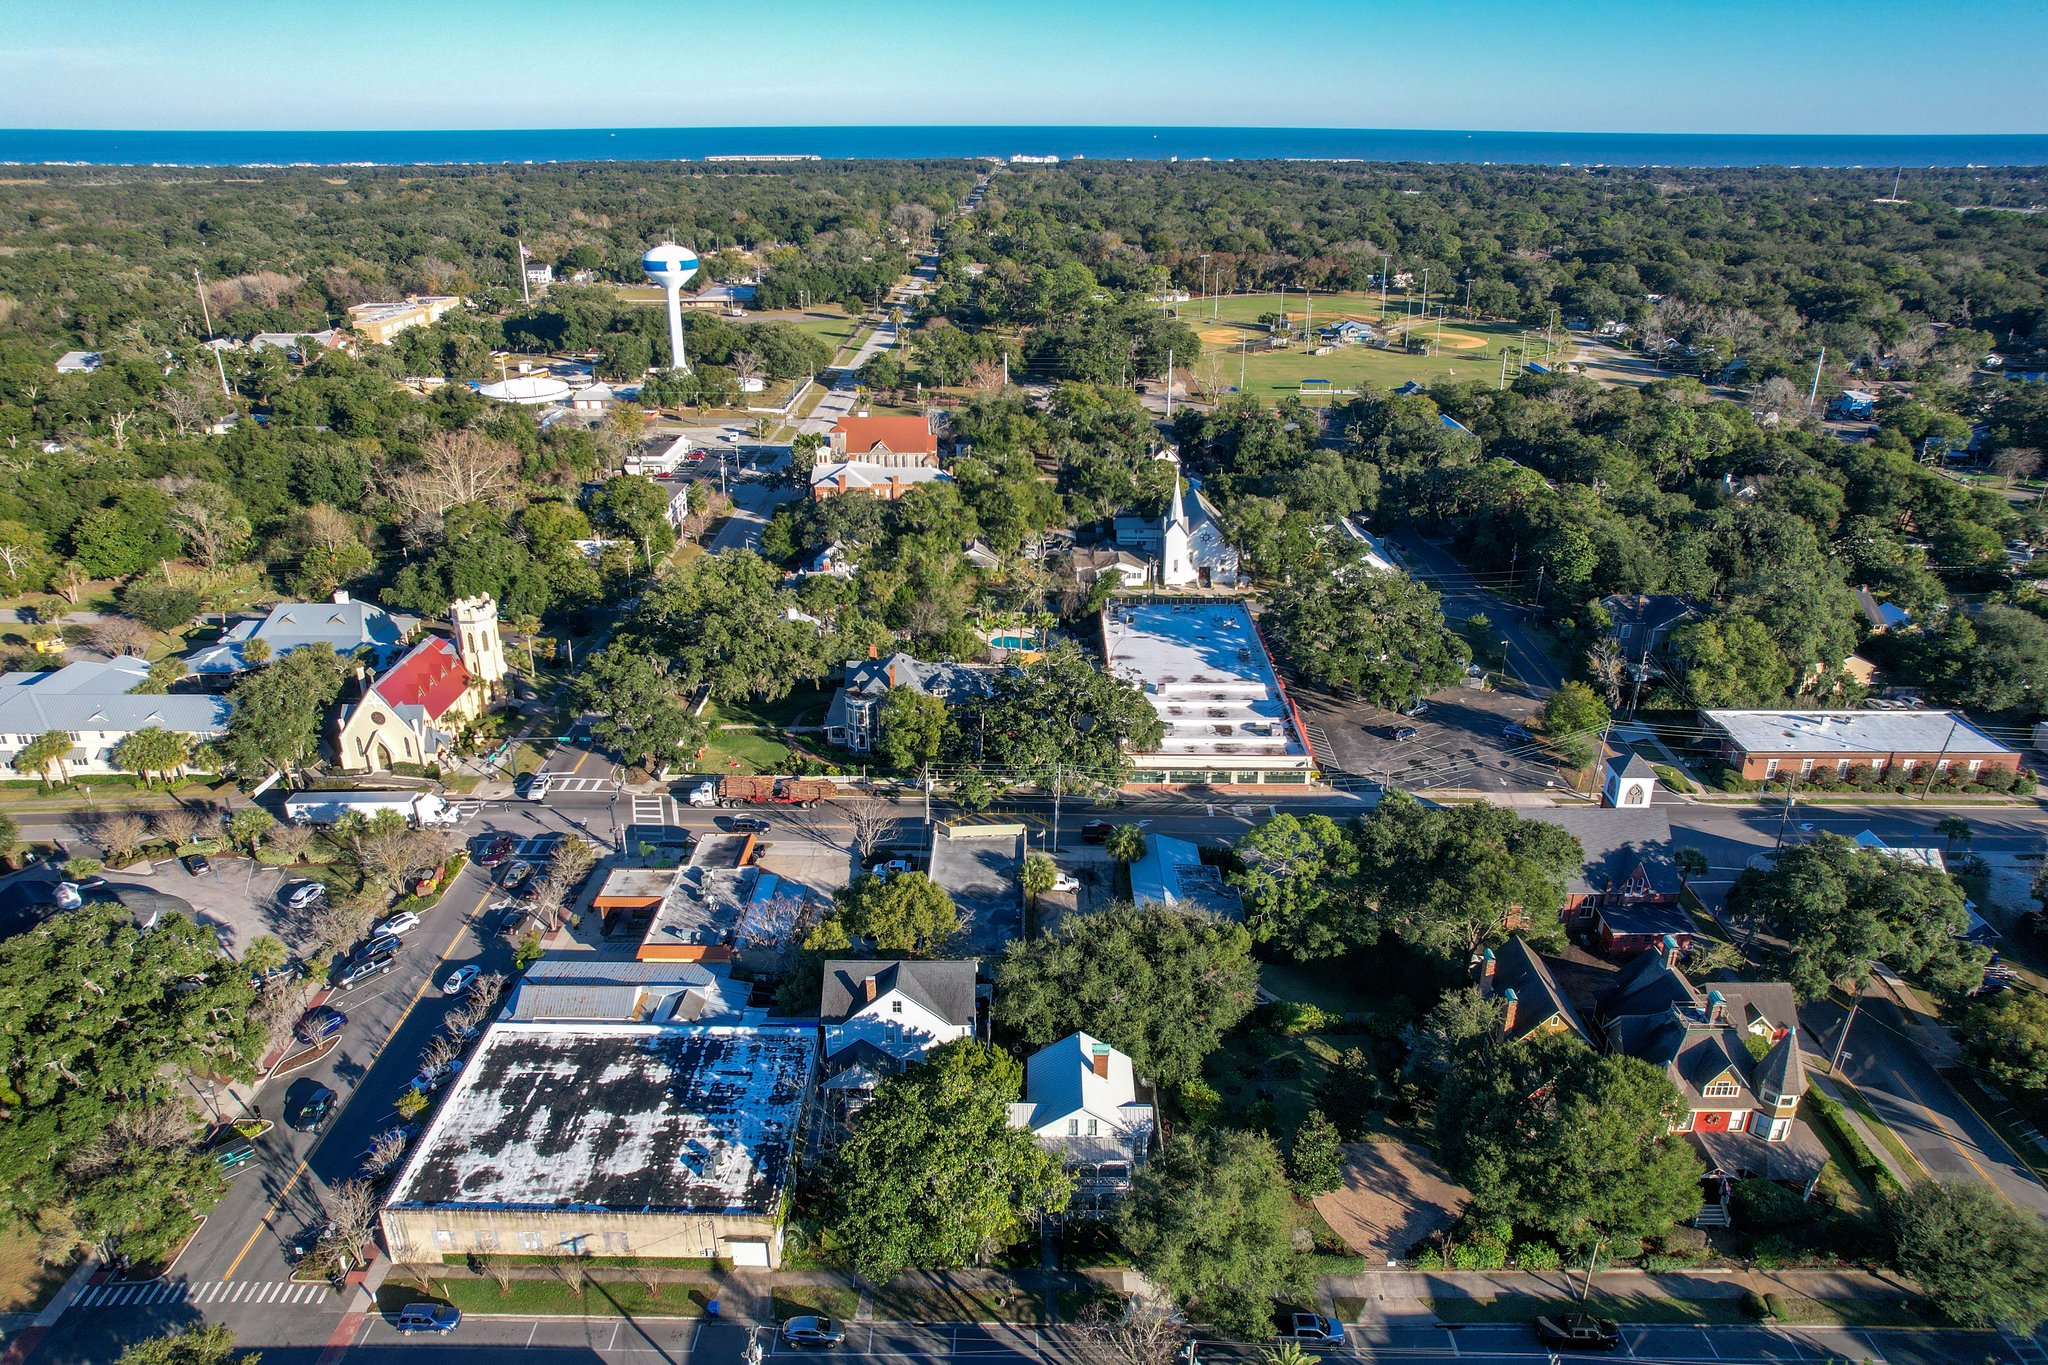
column 412, row 712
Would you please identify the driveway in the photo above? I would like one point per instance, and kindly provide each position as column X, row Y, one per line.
column 1394, row 1196
column 237, row 897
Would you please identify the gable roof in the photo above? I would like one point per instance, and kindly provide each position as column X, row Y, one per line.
column 431, row 676
column 898, row 435
column 98, row 695
column 1538, row 999
column 945, row 988
column 1060, row 1079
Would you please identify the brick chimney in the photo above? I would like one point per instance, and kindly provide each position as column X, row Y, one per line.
column 1513, row 1003
column 1099, row 1059
column 867, row 990
column 1717, row 1008
column 874, row 651
column 1668, row 950
column 1486, row 970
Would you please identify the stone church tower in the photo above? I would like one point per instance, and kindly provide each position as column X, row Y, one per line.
column 475, row 620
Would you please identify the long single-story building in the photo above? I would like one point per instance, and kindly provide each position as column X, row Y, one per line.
column 95, row 703
column 1762, row 745
column 609, row 1140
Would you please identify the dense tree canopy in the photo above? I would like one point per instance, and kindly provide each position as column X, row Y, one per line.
column 1979, row 1258
column 1841, row 909
column 933, row 1175
column 1159, row 984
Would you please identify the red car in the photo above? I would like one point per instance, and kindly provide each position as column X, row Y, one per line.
column 497, row 851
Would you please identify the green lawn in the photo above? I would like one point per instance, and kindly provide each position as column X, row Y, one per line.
column 1468, row 350
column 733, row 752
column 1381, row 980
column 1288, row 1079
column 552, row 1297
column 821, row 1300
column 805, row 705
column 834, row 329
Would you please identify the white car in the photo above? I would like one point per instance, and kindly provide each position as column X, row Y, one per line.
column 1065, row 881
column 405, row 921
column 299, row 895
column 459, row 979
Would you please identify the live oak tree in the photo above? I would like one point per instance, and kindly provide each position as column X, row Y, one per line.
column 101, row 1016
column 907, row 913
column 1453, row 879
column 933, row 1176
column 281, row 710
column 1572, row 718
column 1841, row 909
column 1162, row 985
column 1381, row 635
column 1980, row 1259
column 1557, row 1138
column 2006, row 1038
column 1297, row 883
column 911, row 728
column 195, row 1345
column 1210, row 1220
column 639, row 706
column 1061, row 720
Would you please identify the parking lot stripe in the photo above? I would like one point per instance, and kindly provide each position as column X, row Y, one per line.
column 298, row 1174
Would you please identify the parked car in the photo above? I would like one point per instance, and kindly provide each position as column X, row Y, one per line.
column 234, row 1153
column 299, row 895
column 429, row 1317
column 404, row 922
column 886, row 870
column 381, row 944
column 1404, row 733
column 1065, row 881
column 497, row 850
column 427, row 1082
column 508, row 917
column 1418, row 707
column 363, row 969
column 459, row 979
column 1515, row 730
column 307, row 1105
column 812, row 1331
column 1096, row 832
column 1579, row 1332
column 1298, row 1324
column 196, row 864
column 515, row 874
column 322, row 1021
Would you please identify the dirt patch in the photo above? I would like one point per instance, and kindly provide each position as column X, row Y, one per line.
column 1220, row 334
column 1458, row 342
column 1394, row 1195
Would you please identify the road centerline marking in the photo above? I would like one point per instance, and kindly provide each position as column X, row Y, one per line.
column 277, row 1204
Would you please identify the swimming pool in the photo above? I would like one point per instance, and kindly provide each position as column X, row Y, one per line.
column 1012, row 642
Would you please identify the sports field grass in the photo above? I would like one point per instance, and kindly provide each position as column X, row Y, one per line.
column 1459, row 350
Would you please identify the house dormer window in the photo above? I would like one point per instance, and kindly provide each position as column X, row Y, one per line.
column 895, row 1007
column 1722, row 1089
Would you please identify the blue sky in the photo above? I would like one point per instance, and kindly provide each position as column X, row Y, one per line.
column 1818, row 66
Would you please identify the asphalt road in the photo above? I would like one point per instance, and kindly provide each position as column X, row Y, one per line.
column 1463, row 595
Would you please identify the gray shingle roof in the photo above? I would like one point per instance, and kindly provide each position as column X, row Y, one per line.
column 946, row 987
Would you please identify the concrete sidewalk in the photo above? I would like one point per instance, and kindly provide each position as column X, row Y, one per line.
column 1408, row 1294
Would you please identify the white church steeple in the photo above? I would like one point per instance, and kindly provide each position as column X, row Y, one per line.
column 1176, row 555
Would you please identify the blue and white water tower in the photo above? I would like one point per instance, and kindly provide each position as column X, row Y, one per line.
column 671, row 267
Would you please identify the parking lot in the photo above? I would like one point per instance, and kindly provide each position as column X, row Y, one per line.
column 1457, row 742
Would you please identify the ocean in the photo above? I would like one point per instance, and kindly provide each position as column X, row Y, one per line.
column 516, row 146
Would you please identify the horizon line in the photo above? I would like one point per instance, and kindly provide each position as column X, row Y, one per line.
column 1000, row 127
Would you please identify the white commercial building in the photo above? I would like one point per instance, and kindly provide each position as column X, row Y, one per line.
column 1206, row 672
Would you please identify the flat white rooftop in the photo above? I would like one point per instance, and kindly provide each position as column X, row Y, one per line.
column 1207, row 674
column 1853, row 732
column 626, row 1117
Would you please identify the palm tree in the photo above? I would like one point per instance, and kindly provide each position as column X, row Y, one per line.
column 1691, row 863
column 1954, row 829
column 154, row 751
column 44, row 752
column 1038, row 875
column 1125, row 844
column 1289, row 1353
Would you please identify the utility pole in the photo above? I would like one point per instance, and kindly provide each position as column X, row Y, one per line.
column 1503, row 368
column 525, row 290
column 1814, row 392
column 1541, row 569
column 1934, row 770
column 1425, row 291
column 1240, row 365
column 1169, row 384
column 1055, row 806
column 1841, row 1045
column 1785, row 817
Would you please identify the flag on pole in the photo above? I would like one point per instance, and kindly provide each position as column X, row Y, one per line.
column 524, row 254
